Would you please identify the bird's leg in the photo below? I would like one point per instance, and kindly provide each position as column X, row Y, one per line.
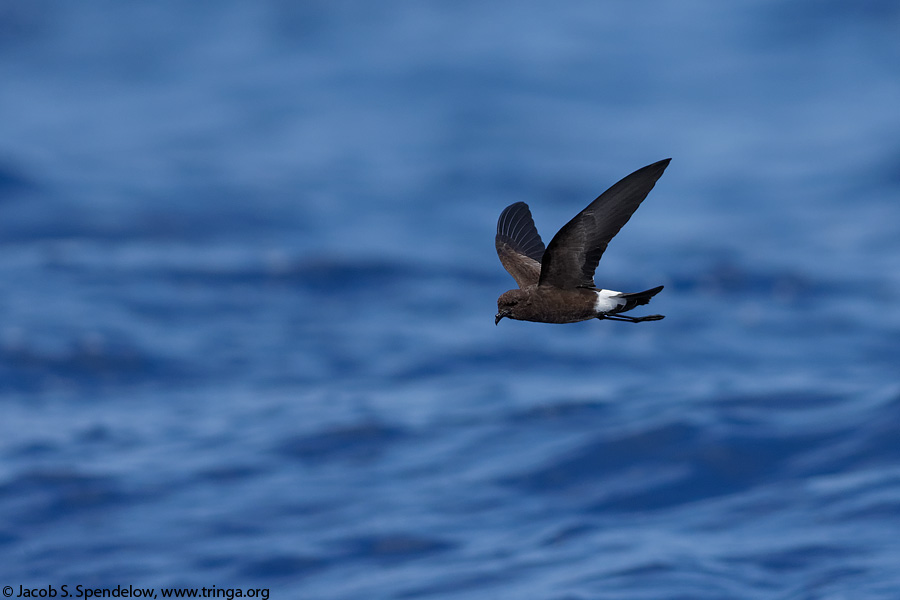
column 631, row 319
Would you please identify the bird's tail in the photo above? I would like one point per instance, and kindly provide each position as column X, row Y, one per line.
column 638, row 298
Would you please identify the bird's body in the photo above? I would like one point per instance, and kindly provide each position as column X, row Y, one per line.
column 556, row 284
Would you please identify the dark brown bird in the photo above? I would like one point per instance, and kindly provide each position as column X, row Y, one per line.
column 556, row 285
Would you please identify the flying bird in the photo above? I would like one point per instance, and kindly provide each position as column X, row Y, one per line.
column 556, row 284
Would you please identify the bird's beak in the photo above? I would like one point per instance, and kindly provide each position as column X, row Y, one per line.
column 499, row 316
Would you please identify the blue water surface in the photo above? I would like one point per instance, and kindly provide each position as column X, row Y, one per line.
column 248, row 284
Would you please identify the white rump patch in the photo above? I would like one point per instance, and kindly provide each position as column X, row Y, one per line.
column 608, row 301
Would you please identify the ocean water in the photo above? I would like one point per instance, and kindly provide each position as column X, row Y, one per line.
column 248, row 285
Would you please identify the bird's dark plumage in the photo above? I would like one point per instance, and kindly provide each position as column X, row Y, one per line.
column 573, row 254
column 557, row 283
column 519, row 246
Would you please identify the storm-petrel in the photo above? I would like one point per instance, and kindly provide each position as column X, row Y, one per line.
column 557, row 285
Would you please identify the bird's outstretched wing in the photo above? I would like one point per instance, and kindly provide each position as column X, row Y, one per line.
column 573, row 253
column 519, row 245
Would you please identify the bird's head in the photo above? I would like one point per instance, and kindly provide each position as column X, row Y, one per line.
column 507, row 304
